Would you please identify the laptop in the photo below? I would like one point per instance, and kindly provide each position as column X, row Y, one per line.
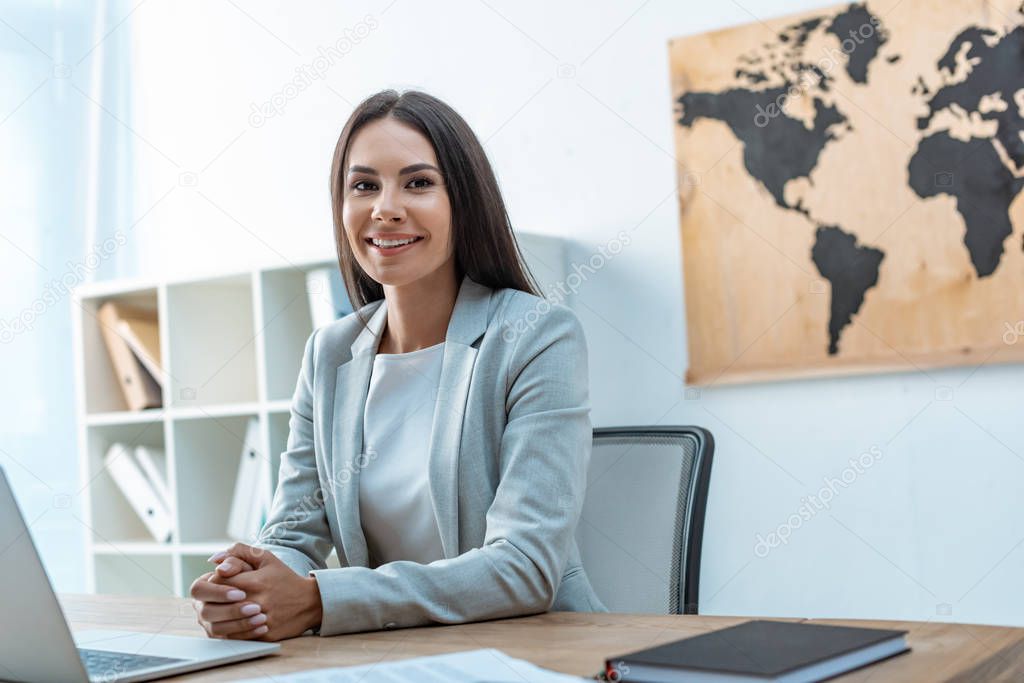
column 37, row 645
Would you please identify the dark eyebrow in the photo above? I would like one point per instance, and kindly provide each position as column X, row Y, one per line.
column 405, row 171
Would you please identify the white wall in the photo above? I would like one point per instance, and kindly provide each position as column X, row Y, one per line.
column 937, row 520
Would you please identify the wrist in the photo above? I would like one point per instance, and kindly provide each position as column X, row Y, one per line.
column 314, row 608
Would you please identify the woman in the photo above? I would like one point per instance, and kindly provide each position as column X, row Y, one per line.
column 440, row 435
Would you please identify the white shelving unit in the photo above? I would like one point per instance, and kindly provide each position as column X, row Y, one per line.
column 231, row 347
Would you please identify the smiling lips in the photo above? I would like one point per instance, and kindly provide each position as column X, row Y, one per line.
column 393, row 244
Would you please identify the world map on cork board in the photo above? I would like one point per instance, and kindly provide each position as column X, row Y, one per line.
column 850, row 184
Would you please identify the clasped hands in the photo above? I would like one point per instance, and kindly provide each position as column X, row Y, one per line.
column 253, row 595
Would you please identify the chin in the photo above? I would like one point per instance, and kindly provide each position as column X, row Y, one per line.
column 393, row 278
column 404, row 274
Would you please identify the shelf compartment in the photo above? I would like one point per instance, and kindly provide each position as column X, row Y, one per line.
column 287, row 324
column 212, row 342
column 114, row 521
column 207, row 453
column 102, row 390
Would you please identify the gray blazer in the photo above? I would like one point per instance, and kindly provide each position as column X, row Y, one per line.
column 508, row 456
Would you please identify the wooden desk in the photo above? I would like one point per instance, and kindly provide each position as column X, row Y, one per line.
column 575, row 643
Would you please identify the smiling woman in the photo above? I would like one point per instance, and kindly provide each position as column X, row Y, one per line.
column 391, row 208
column 432, row 166
column 442, row 457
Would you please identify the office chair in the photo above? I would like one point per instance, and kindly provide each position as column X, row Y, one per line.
column 642, row 523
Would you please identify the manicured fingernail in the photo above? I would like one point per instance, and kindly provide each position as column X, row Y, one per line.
column 216, row 557
column 224, row 566
column 258, row 619
column 236, row 595
column 261, row 630
column 250, row 610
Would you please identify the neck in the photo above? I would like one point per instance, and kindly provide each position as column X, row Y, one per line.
column 419, row 312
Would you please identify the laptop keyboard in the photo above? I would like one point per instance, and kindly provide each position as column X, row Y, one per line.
column 109, row 666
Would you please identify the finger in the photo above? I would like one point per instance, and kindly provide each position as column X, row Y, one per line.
column 217, row 578
column 199, row 580
column 251, row 635
column 238, row 626
column 206, row 628
column 195, row 608
column 235, row 580
column 254, row 556
column 232, row 566
column 214, row 612
column 208, row 591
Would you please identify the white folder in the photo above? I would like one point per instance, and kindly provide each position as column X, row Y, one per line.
column 138, row 492
column 152, row 462
column 256, row 511
column 247, row 483
column 328, row 299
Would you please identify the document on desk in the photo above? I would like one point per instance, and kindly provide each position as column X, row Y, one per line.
column 472, row 666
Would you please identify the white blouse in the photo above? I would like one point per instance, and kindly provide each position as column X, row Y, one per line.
column 394, row 495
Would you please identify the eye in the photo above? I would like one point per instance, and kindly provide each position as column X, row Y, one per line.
column 356, row 185
column 427, row 182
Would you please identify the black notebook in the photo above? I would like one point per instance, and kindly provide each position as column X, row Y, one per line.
column 759, row 651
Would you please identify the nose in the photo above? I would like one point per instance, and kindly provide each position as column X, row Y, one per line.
column 388, row 208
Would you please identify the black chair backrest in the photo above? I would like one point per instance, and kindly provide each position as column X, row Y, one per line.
column 642, row 525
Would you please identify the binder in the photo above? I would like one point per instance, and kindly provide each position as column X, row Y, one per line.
column 142, row 334
column 247, row 486
column 259, row 505
column 328, row 299
column 141, row 390
column 137, row 491
column 153, row 465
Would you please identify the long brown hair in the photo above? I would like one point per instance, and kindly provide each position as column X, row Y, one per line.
column 485, row 247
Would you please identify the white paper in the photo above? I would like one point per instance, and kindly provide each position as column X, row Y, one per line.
column 473, row 666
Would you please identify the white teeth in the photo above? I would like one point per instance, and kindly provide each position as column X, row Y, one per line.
column 392, row 243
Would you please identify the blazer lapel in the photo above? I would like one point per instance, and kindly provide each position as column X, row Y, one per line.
column 467, row 324
column 352, row 384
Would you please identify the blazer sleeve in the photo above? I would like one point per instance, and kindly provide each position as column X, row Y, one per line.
column 543, row 458
column 296, row 530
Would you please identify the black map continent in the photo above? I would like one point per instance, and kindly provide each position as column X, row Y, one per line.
column 984, row 175
column 851, row 269
column 776, row 153
column 778, row 148
column 972, row 171
column 982, row 186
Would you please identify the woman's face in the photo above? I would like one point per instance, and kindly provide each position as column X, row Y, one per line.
column 394, row 192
